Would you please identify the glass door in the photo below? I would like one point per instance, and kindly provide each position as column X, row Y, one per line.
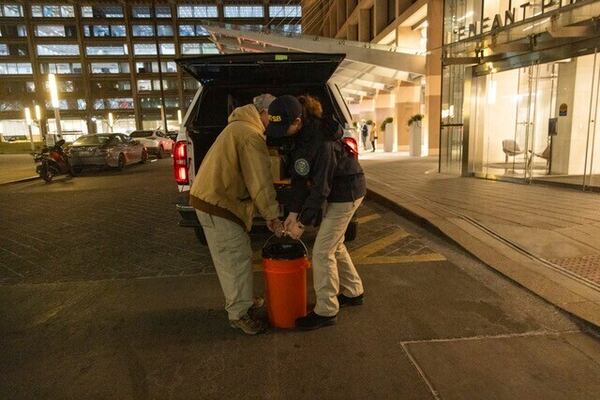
column 592, row 166
column 518, row 149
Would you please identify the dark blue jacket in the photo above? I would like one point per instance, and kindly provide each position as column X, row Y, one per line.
column 322, row 170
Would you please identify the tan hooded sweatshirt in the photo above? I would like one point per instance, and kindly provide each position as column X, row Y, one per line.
column 235, row 176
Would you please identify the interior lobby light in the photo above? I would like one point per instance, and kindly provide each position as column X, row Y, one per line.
column 28, row 119
column 38, row 113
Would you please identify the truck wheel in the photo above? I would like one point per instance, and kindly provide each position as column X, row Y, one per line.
column 351, row 231
column 200, row 236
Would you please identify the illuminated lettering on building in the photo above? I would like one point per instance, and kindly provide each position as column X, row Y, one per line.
column 510, row 16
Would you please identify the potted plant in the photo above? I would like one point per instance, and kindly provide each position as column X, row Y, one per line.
column 386, row 121
column 390, row 140
column 416, row 135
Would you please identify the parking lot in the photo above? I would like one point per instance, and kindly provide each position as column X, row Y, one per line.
column 103, row 296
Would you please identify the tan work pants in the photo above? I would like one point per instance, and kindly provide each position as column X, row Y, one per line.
column 229, row 246
column 332, row 266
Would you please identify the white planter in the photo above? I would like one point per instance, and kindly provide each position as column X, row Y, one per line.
column 390, row 143
column 416, row 140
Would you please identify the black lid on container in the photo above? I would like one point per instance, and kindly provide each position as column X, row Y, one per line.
column 287, row 250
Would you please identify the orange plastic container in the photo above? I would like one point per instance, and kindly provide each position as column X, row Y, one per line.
column 284, row 266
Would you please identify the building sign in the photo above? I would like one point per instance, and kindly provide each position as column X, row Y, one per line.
column 522, row 12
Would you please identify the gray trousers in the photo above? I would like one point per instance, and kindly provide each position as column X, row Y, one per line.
column 229, row 246
column 333, row 269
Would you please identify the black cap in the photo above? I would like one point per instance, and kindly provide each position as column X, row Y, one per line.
column 282, row 112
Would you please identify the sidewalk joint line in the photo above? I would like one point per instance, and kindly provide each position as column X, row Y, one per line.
column 492, row 337
column 421, row 373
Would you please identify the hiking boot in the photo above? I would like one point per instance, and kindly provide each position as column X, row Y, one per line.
column 248, row 325
column 314, row 321
column 350, row 301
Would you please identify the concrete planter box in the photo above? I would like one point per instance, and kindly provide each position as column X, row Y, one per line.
column 416, row 139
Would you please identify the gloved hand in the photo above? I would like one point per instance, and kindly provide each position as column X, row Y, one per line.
column 311, row 216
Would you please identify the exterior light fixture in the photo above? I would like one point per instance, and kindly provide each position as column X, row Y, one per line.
column 55, row 103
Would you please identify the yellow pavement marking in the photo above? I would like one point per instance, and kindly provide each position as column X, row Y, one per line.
column 368, row 218
column 401, row 259
column 379, row 244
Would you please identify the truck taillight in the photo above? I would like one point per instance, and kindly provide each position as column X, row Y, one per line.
column 180, row 163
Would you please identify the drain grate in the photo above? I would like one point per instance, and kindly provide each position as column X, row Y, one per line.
column 587, row 267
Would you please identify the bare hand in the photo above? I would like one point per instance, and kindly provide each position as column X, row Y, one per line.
column 276, row 227
column 295, row 231
column 291, row 220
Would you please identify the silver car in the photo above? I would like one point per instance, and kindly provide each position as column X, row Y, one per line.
column 157, row 142
column 105, row 150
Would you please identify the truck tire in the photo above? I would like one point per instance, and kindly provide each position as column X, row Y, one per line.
column 351, row 231
column 200, row 236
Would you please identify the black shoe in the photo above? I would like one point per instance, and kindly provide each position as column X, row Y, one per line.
column 350, row 301
column 314, row 321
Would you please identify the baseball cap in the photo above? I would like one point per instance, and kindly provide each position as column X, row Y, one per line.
column 282, row 112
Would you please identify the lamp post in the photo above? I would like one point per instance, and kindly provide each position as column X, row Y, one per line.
column 111, row 122
column 55, row 103
column 179, row 118
column 29, row 121
column 163, row 119
column 38, row 118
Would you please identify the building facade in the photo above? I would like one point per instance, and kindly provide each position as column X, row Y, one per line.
column 521, row 91
column 407, row 26
column 109, row 57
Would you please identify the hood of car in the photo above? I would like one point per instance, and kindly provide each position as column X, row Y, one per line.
column 262, row 69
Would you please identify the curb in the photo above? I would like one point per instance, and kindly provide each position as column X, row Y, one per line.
column 434, row 229
column 28, row 179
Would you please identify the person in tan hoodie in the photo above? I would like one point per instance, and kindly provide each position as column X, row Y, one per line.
column 235, row 179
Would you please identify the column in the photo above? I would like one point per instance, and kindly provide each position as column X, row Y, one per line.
column 407, row 105
column 364, row 25
column 341, row 14
column 433, row 88
column 380, row 7
column 385, row 108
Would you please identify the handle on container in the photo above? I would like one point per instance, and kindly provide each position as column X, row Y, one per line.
column 298, row 240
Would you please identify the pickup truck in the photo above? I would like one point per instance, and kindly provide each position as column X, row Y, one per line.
column 230, row 81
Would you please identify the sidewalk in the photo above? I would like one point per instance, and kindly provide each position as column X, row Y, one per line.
column 14, row 167
column 545, row 238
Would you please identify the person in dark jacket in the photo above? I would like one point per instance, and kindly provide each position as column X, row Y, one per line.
column 328, row 186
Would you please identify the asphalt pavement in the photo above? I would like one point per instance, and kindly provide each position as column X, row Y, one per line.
column 103, row 296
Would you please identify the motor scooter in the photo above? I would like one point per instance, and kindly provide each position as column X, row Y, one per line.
column 52, row 161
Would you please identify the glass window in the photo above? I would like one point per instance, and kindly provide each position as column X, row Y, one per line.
column 52, row 11
column 163, row 12
column 50, row 30
column 122, row 86
column 13, row 31
column 203, row 11
column 4, row 50
column 292, row 28
column 15, row 69
column 167, row 48
column 100, row 31
column 143, row 49
column 61, row 68
column 57, row 50
column 11, row 10
column 186, row 30
column 110, row 68
column 285, row 11
column 144, row 85
column 199, row 48
column 118, row 31
column 102, row 12
column 143, row 30
column 141, row 12
column 165, row 30
column 118, row 50
column 243, row 11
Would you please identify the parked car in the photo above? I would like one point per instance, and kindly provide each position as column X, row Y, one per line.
column 173, row 135
column 156, row 141
column 114, row 150
column 229, row 81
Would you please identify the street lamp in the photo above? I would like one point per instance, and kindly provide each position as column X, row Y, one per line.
column 29, row 122
column 111, row 121
column 179, row 118
column 55, row 103
column 163, row 118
